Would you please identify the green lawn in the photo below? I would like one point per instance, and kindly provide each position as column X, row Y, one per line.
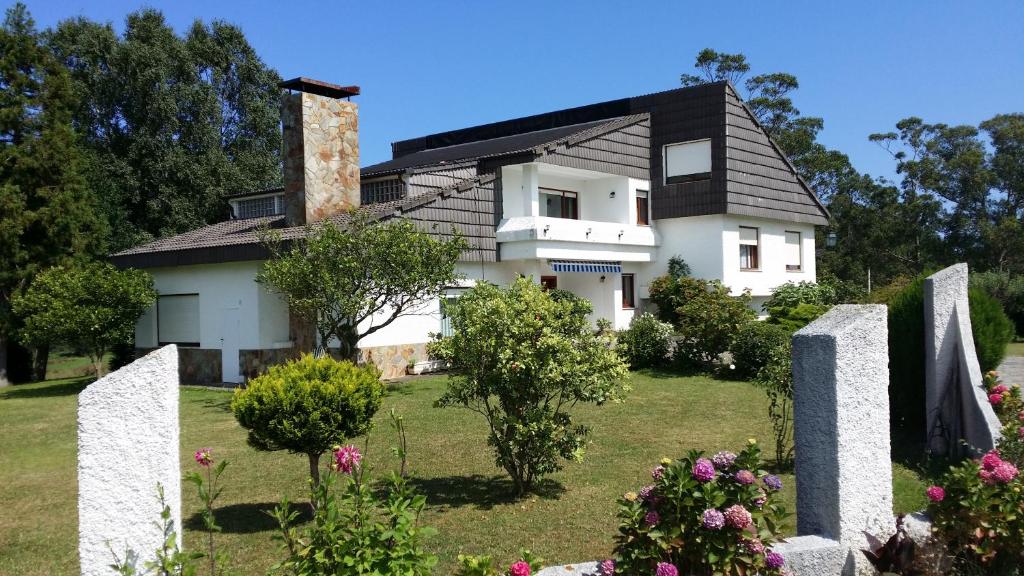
column 573, row 519
column 1015, row 349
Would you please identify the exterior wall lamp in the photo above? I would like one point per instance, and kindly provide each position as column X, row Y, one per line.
column 831, row 240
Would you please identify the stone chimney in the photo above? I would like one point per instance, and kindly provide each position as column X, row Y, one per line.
column 321, row 150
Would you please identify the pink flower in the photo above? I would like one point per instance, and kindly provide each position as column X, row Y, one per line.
column 995, row 399
column 736, row 516
column 990, row 460
column 935, row 493
column 606, row 568
column 753, row 546
column 1001, row 389
column 651, row 518
column 986, row 476
column 703, row 470
column 1020, row 416
column 1004, row 473
column 1020, row 432
column 204, row 457
column 761, row 499
column 666, row 569
column 646, row 493
column 745, row 477
column 519, row 568
column 658, row 472
column 347, row 458
column 713, row 519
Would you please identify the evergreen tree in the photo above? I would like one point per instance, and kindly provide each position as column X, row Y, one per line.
column 47, row 212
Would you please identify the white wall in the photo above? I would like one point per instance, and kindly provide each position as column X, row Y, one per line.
column 263, row 317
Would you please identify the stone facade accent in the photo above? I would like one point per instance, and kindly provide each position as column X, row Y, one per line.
column 301, row 332
column 256, row 362
column 198, row 366
column 131, row 416
column 321, row 156
column 393, row 361
column 841, row 434
column 957, row 407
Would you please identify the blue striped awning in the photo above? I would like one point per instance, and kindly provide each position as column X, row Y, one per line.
column 586, row 266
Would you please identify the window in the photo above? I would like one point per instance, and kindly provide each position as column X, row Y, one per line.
column 628, row 292
column 643, row 208
column 688, row 161
column 383, row 190
column 256, row 207
column 559, row 204
column 446, row 320
column 749, row 240
column 549, row 282
column 177, row 319
column 794, row 254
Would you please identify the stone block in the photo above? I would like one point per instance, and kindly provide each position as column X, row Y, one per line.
column 816, row 556
column 128, row 441
column 841, row 425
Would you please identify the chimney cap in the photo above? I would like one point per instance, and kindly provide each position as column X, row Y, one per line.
column 303, row 84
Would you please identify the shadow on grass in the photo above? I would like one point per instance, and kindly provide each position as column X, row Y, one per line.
column 249, row 518
column 481, row 492
column 69, row 388
column 223, row 404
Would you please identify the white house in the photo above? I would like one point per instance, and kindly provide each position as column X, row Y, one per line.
column 594, row 200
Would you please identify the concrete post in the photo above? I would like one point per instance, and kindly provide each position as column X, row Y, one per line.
column 531, row 190
column 128, row 444
column 955, row 401
column 841, row 433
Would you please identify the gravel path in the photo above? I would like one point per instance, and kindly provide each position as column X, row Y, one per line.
column 1011, row 370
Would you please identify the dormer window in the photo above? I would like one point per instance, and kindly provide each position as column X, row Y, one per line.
column 259, row 207
column 688, row 161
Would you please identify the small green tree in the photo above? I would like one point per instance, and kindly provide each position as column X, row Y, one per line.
column 523, row 359
column 92, row 306
column 356, row 279
column 705, row 315
column 308, row 405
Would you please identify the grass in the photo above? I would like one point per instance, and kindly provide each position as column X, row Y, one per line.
column 63, row 363
column 1015, row 349
column 572, row 519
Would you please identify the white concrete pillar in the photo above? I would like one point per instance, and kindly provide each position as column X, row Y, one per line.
column 531, row 190
column 127, row 444
column 841, row 425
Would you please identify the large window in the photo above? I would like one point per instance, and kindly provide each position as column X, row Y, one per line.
column 381, row 190
column 265, row 206
column 643, row 208
column 177, row 319
column 688, row 161
column 749, row 248
column 628, row 292
column 794, row 253
column 559, row 204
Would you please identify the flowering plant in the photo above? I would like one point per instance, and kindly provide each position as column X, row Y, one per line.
column 701, row 516
column 486, row 565
column 1009, row 407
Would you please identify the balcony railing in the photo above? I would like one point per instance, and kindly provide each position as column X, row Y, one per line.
column 524, row 228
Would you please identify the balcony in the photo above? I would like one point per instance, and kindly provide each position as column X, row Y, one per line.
column 528, row 237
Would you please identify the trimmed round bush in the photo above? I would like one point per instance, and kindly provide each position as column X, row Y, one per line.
column 647, row 341
column 752, row 348
column 308, row 405
column 992, row 329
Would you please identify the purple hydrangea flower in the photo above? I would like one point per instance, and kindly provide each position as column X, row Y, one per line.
column 658, row 472
column 666, row 569
column 646, row 493
column 651, row 518
column 745, row 477
column 606, row 568
column 761, row 499
column 704, row 470
column 713, row 519
column 723, row 460
column 774, row 482
column 753, row 546
column 774, row 560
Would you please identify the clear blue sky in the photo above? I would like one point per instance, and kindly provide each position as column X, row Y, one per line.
column 432, row 66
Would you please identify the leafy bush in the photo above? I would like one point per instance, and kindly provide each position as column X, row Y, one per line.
column 677, row 267
column 793, row 319
column 754, row 343
column 776, row 379
column 792, row 294
column 906, row 359
column 647, row 341
column 355, row 530
column 1008, row 289
column 305, row 406
column 705, row 315
column 487, row 566
column 1009, row 407
column 992, row 329
column 522, row 359
column 701, row 515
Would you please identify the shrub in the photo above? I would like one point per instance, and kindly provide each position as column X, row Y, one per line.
column 906, row 360
column 487, row 566
column 677, row 267
column 702, row 515
column 793, row 319
column 752, row 348
column 992, row 329
column 706, row 317
column 522, row 359
column 1009, row 407
column 647, row 341
column 306, row 406
column 792, row 294
column 776, row 379
column 357, row 531
column 1008, row 289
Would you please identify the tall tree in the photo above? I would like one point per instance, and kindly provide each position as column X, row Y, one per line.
column 47, row 212
column 171, row 123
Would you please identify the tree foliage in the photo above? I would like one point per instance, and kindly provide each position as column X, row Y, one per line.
column 308, row 405
column 354, row 279
column 523, row 360
column 91, row 306
column 170, row 124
